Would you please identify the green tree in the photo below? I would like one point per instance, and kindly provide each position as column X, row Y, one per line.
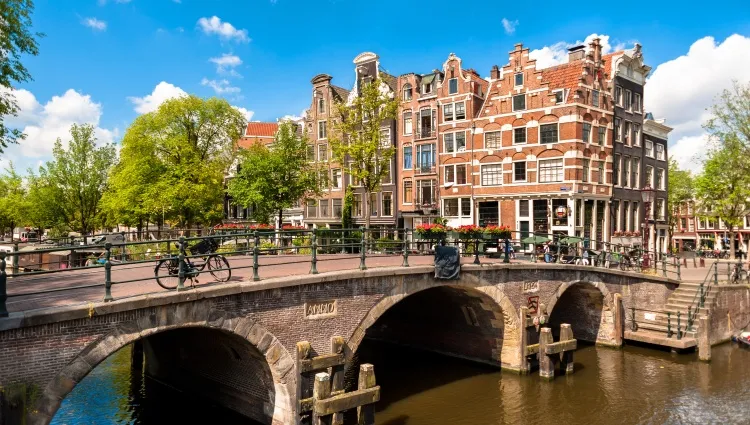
column 731, row 117
column 357, row 138
column 74, row 180
column 723, row 188
column 680, row 191
column 15, row 40
column 274, row 179
column 173, row 162
column 14, row 205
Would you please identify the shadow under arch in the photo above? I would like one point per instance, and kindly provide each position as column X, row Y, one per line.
column 261, row 347
column 587, row 307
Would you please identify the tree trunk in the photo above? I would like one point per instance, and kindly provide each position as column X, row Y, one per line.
column 731, row 243
column 281, row 218
column 366, row 212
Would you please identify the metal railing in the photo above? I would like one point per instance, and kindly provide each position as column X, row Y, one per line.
column 110, row 265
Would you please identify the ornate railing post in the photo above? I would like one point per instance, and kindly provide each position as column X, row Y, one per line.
column 182, row 266
column 669, row 325
column 679, row 331
column 716, row 272
column 362, row 249
column 405, row 263
column 3, row 286
column 124, row 255
column 476, row 251
column 107, row 272
column 314, row 250
column 690, row 319
column 256, row 251
column 506, row 258
column 679, row 272
column 702, row 296
column 15, row 258
column 664, row 265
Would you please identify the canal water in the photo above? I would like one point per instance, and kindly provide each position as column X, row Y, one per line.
column 634, row 385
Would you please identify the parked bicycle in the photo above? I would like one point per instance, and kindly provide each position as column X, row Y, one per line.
column 739, row 274
column 167, row 270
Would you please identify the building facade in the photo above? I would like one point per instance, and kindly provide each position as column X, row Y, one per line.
column 656, row 167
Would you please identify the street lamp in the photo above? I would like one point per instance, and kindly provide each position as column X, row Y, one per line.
column 647, row 194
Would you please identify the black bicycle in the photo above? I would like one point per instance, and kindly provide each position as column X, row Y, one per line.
column 167, row 270
column 738, row 274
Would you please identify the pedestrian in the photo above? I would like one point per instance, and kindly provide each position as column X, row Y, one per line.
column 547, row 255
column 585, row 257
column 511, row 251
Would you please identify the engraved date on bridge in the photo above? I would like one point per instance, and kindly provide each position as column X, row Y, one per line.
column 320, row 309
column 529, row 287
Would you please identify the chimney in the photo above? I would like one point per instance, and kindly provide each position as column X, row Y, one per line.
column 576, row 53
column 495, row 73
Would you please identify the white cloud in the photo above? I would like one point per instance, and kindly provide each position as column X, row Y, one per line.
column 226, row 63
column 44, row 124
column 221, row 86
column 163, row 91
column 682, row 89
column 225, row 30
column 558, row 53
column 509, row 26
column 248, row 114
column 94, row 24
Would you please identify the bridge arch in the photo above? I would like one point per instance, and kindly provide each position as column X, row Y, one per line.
column 252, row 343
column 587, row 306
column 480, row 307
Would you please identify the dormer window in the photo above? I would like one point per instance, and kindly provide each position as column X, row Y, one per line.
column 321, row 106
column 453, row 86
column 518, row 79
column 558, row 96
column 407, row 92
column 427, row 88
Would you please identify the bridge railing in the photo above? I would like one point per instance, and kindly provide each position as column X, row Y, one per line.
column 106, row 265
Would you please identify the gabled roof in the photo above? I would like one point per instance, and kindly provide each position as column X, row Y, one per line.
column 340, row 92
column 390, row 80
column 261, row 129
column 563, row 76
column 608, row 59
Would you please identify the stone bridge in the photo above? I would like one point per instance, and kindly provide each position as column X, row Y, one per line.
column 236, row 343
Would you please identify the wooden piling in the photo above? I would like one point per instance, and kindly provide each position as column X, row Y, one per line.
column 704, row 342
column 303, row 383
column 522, row 314
column 566, row 357
column 322, row 391
column 366, row 413
column 337, row 377
column 546, row 364
column 619, row 318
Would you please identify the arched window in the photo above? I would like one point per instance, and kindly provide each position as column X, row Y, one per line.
column 407, row 91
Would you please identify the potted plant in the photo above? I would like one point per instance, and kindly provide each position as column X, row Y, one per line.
column 431, row 231
column 469, row 231
column 497, row 232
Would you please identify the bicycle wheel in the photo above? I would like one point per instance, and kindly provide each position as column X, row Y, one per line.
column 167, row 273
column 218, row 266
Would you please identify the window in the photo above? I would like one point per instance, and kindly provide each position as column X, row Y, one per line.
column 407, row 158
column 492, row 174
column 660, row 178
column 519, row 135
column 618, row 96
column 585, row 176
column 408, row 126
column 548, row 133
column 460, row 111
column 626, row 133
column 660, row 151
column 595, row 98
column 523, row 208
column 601, row 173
column 625, row 172
column 519, row 102
column 427, row 87
column 660, row 209
column 519, row 171
column 636, row 173
column 425, row 158
column 322, row 130
column 323, row 177
column 453, row 86
column 450, row 207
column 587, row 132
column 312, row 208
column 325, row 205
column 385, row 138
column 407, row 92
column 311, row 153
column 387, row 204
column 683, row 223
column 602, row 140
column 454, row 142
column 337, row 208
column 448, row 112
column 550, row 170
column 465, row 207
column 636, row 134
column 426, row 192
column 455, row 173
column 649, row 148
column 618, row 131
column 322, row 152
column 408, row 192
column 518, row 79
column 336, row 178
column 373, row 204
column 628, row 100
column 321, row 106
column 454, row 111
column 492, row 140
column 616, row 170
column 357, row 205
column 637, row 102
column 386, row 178
column 649, row 176
column 559, row 94
column 616, row 219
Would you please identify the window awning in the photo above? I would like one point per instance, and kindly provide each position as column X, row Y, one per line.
column 427, row 79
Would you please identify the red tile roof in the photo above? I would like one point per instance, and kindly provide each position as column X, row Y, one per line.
column 262, row 129
column 607, row 59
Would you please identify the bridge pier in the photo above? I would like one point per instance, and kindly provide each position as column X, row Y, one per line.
column 546, row 363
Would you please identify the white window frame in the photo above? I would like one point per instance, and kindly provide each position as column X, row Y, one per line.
column 562, row 96
column 411, row 119
column 411, row 147
column 547, row 160
column 481, row 174
column 513, row 102
column 617, row 126
column 455, row 173
column 453, row 115
column 515, row 79
column 650, row 177
column 628, row 101
column 340, row 180
column 637, row 102
column 539, row 133
column 321, row 105
column 407, row 89
column 449, row 85
column 403, row 191
column 650, row 150
column 636, row 134
column 662, row 179
column 382, row 209
column 458, row 207
column 595, row 98
column 583, row 132
column 660, row 156
column 618, row 95
column 324, row 129
column 526, row 171
column 389, row 141
column 499, row 142
column 454, row 142
column 626, row 161
column 526, row 135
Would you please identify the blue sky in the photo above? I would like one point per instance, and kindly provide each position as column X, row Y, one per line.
column 100, row 59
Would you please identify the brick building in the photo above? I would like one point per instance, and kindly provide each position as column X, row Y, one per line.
column 685, row 236
column 656, row 167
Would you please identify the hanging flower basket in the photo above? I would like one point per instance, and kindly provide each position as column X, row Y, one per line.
column 262, row 229
column 469, row 231
column 431, row 231
column 497, row 232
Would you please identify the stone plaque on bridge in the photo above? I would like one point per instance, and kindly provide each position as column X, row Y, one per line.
column 530, row 287
column 320, row 309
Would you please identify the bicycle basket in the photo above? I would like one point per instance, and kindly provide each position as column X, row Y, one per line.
column 206, row 246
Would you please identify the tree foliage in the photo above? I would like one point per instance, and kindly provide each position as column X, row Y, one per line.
column 681, row 190
column 731, row 117
column 723, row 188
column 273, row 179
column 14, row 204
column 15, row 40
column 173, row 162
column 72, row 183
column 357, row 138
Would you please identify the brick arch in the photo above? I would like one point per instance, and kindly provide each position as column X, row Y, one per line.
column 490, row 158
column 549, row 153
column 520, row 122
column 508, row 356
column 548, row 119
column 493, row 126
column 519, row 155
column 588, row 118
column 606, row 331
column 166, row 318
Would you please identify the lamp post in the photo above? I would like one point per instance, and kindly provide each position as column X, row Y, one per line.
column 647, row 194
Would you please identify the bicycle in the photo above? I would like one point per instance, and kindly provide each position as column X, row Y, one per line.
column 738, row 274
column 167, row 270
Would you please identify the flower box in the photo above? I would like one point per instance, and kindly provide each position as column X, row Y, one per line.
column 469, row 231
column 498, row 232
column 431, row 231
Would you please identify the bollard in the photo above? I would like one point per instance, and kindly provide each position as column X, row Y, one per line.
column 664, row 266
column 182, row 266
column 3, row 287
column 689, row 325
column 716, row 272
column 702, row 262
column 679, row 272
column 337, row 377
column 619, row 319
column 366, row 413
column 679, row 331
column 729, row 271
column 546, row 365
column 107, row 273
column 566, row 357
column 405, row 263
column 256, row 250
column 669, row 325
column 321, row 391
column 703, row 296
column 15, row 258
column 704, row 344
column 476, row 251
column 314, row 250
column 362, row 249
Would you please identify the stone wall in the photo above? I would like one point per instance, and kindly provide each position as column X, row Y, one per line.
column 730, row 313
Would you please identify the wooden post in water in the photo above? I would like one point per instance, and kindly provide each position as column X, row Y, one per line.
column 546, row 364
column 566, row 357
column 366, row 413
column 303, row 382
column 321, row 391
column 704, row 342
column 523, row 312
column 136, row 357
column 619, row 317
column 337, row 377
